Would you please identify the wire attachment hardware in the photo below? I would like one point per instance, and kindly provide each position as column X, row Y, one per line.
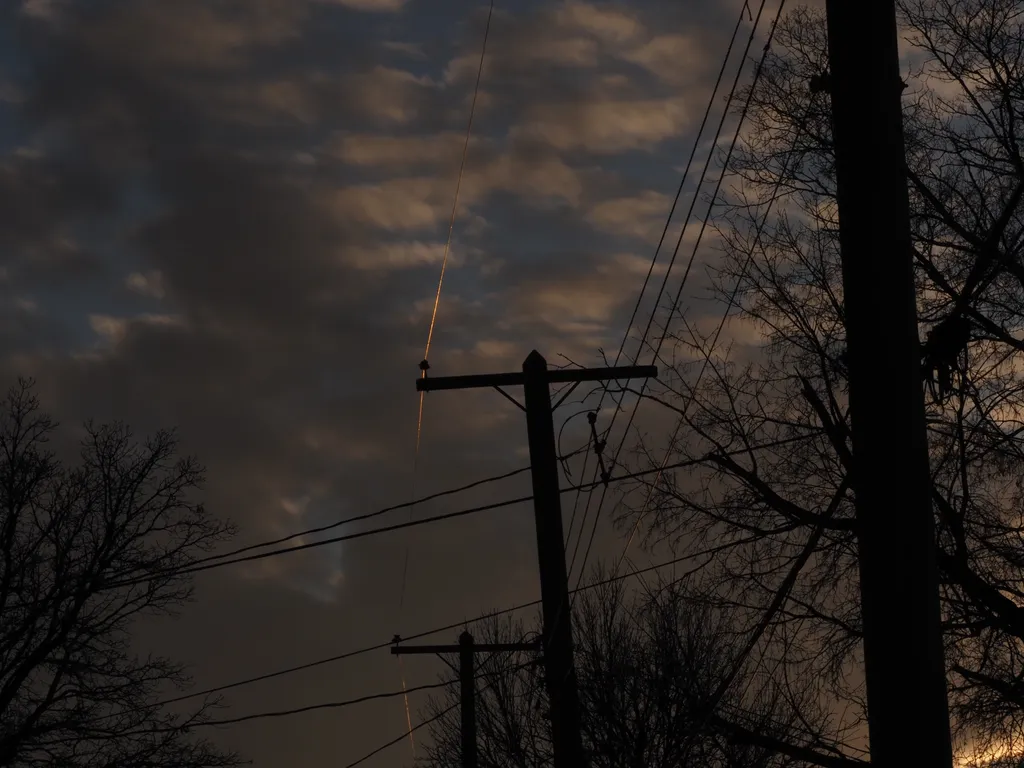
column 599, row 446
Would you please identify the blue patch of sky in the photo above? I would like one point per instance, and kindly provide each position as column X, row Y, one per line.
column 12, row 135
column 529, row 235
column 12, row 59
column 658, row 169
column 439, row 31
column 345, row 31
column 102, row 291
column 15, row 72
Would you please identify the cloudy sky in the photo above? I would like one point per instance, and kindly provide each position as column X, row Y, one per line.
column 229, row 216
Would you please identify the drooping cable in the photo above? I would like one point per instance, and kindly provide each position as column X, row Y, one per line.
column 365, row 516
column 462, row 622
column 332, row 704
column 411, row 524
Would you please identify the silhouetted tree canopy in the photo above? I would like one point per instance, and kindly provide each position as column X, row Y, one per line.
column 73, row 690
column 777, row 511
column 646, row 663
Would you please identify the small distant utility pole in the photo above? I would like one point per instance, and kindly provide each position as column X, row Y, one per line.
column 908, row 715
column 559, row 669
column 467, row 651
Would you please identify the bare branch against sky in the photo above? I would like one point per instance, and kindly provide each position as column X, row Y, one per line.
column 229, row 218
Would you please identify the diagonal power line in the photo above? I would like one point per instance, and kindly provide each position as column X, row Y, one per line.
column 657, row 252
column 678, row 295
column 457, row 624
column 425, row 364
column 365, row 516
column 423, row 521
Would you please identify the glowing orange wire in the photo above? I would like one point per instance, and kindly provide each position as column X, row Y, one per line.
column 458, row 188
column 408, row 716
column 433, row 322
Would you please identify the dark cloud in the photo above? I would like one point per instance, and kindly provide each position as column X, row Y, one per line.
column 229, row 216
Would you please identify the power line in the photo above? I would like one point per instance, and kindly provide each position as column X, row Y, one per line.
column 425, row 521
column 434, row 719
column 758, row 232
column 339, row 657
column 323, row 542
column 325, row 705
column 377, row 513
column 494, row 614
column 458, row 185
column 565, row 468
column 437, row 630
column 428, row 520
column 425, row 365
column 286, row 671
column 334, row 704
column 277, row 713
column 718, row 185
column 366, row 516
column 657, row 251
column 672, row 261
column 342, row 656
column 421, row 724
column 783, row 591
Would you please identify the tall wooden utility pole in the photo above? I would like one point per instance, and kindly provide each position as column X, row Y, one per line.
column 908, row 714
column 559, row 670
column 467, row 651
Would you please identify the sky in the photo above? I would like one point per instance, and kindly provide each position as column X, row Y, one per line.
column 229, row 216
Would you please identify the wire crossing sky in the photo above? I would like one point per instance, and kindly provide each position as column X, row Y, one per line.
column 230, row 219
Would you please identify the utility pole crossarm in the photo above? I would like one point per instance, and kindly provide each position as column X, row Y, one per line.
column 557, row 376
column 467, row 650
column 399, row 650
column 481, row 381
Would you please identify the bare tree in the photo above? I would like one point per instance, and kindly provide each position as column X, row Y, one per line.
column 647, row 664
column 769, row 427
column 86, row 551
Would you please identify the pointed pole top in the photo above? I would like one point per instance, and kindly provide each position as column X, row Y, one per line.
column 534, row 360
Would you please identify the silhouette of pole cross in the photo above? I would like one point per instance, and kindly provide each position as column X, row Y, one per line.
column 559, row 669
column 467, row 651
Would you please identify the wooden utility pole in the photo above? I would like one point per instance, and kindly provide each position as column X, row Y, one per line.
column 908, row 714
column 467, row 651
column 559, row 669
